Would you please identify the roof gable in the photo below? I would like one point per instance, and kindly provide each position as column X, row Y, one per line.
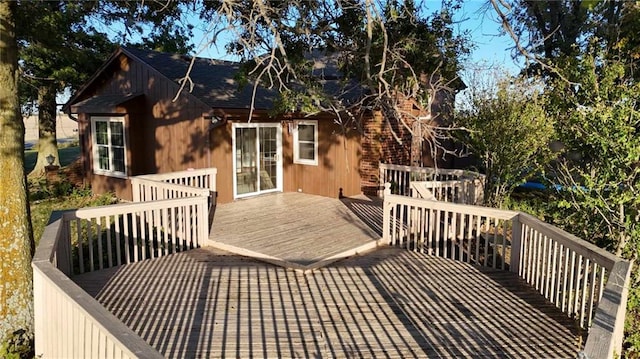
column 213, row 81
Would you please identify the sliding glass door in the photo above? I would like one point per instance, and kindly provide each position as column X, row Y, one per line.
column 257, row 158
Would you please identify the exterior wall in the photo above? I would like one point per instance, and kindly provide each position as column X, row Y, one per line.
column 389, row 142
column 162, row 135
column 337, row 170
column 222, row 159
column 166, row 136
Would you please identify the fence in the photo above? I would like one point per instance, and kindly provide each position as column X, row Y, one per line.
column 450, row 182
column 581, row 279
column 168, row 217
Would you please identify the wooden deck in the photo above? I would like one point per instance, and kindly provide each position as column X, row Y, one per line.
column 390, row 303
column 296, row 230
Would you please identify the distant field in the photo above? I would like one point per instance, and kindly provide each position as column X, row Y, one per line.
column 67, row 155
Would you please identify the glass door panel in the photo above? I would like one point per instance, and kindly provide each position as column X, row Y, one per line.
column 268, row 158
column 258, row 163
column 246, row 164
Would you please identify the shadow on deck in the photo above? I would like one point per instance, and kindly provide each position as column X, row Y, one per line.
column 389, row 303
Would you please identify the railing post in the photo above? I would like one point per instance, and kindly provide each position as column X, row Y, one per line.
column 135, row 189
column 203, row 221
column 381, row 179
column 386, row 213
column 212, row 179
column 478, row 192
column 607, row 333
column 516, row 244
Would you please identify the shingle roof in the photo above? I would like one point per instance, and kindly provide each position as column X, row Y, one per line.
column 213, row 80
column 102, row 103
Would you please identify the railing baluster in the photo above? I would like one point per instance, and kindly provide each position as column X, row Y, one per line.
column 438, row 238
column 552, row 282
column 99, row 240
column 546, row 269
column 89, row 226
column 149, row 237
column 593, row 271
column 107, row 228
column 584, row 288
column 469, row 238
column 445, row 234
column 565, row 280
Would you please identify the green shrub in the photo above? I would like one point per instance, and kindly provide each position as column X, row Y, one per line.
column 18, row 346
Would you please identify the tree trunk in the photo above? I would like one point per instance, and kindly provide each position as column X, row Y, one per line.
column 16, row 237
column 47, row 139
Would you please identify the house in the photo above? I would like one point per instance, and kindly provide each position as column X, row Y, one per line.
column 133, row 119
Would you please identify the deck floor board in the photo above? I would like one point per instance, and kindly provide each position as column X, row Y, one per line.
column 389, row 303
column 293, row 227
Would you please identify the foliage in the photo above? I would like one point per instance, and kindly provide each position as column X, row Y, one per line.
column 588, row 53
column 601, row 167
column 76, row 198
column 343, row 57
column 19, row 345
column 598, row 125
column 508, row 132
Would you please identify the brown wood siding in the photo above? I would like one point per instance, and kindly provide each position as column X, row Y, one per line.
column 162, row 135
column 338, row 163
column 222, row 159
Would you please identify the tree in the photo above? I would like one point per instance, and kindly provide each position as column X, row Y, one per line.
column 16, row 242
column 385, row 52
column 67, row 41
column 588, row 53
column 507, row 131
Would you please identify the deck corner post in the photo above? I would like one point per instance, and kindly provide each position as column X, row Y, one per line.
column 212, row 179
column 381, row 179
column 386, row 214
column 387, row 189
column 607, row 332
column 516, row 244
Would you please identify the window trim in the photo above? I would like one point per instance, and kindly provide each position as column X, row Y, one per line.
column 94, row 143
column 296, row 142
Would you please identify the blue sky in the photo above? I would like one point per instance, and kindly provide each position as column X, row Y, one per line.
column 491, row 48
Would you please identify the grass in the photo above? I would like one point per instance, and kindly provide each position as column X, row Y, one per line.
column 41, row 210
column 67, row 156
column 47, row 197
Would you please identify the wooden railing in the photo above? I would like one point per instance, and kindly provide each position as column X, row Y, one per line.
column 69, row 322
column 463, row 190
column 472, row 234
column 145, row 189
column 198, row 178
column 401, row 177
column 103, row 237
column 584, row 281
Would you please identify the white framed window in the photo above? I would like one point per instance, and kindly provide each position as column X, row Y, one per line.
column 305, row 142
column 109, row 146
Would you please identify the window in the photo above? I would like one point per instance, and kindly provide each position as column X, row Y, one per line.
column 109, row 150
column 305, row 142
